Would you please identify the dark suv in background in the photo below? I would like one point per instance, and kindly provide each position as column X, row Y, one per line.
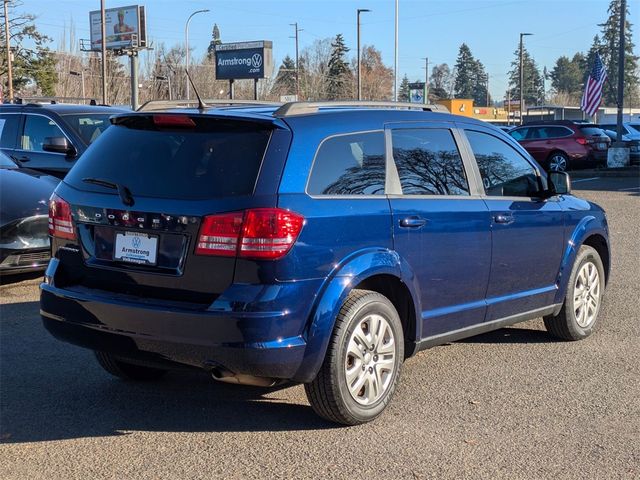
column 51, row 137
column 563, row 145
column 318, row 243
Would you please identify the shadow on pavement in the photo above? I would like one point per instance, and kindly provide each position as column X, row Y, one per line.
column 511, row 335
column 51, row 390
column 20, row 277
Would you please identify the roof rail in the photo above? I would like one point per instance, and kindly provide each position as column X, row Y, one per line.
column 166, row 104
column 302, row 108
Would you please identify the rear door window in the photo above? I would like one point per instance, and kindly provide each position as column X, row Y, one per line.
column 428, row 162
column 212, row 158
column 557, row 132
column 350, row 164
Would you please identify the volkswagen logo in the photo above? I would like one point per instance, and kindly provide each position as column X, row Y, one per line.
column 256, row 60
column 136, row 242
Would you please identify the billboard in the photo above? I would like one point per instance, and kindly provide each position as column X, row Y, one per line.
column 241, row 60
column 416, row 92
column 123, row 25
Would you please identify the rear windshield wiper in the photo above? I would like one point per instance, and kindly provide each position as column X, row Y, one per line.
column 124, row 192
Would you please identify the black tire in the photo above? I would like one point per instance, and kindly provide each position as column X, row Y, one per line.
column 558, row 158
column 565, row 325
column 329, row 393
column 128, row 371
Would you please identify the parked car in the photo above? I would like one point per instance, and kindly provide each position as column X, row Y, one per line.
column 316, row 243
column 563, row 145
column 630, row 130
column 51, row 137
column 632, row 145
column 24, row 209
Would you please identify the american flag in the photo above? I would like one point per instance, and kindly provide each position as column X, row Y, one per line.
column 592, row 96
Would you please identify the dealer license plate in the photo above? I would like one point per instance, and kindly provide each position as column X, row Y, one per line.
column 136, row 247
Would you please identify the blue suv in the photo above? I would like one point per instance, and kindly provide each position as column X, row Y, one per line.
column 319, row 243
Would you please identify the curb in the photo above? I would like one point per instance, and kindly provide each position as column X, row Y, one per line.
column 625, row 172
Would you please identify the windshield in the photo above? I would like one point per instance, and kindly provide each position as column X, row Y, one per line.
column 6, row 162
column 88, row 125
column 214, row 158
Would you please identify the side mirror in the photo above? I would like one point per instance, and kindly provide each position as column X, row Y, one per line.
column 560, row 183
column 58, row 145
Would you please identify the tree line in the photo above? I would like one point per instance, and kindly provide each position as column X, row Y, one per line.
column 325, row 71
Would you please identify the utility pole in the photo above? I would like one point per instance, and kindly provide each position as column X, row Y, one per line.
column 623, row 13
column 395, row 60
column 360, row 10
column 487, row 89
column 103, row 27
column 426, row 80
column 522, row 78
column 7, row 36
column 295, row 25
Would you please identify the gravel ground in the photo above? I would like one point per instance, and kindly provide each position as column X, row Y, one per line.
column 513, row 403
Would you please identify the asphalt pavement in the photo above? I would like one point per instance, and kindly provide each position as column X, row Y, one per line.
column 513, row 403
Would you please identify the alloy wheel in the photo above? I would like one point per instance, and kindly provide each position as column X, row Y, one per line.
column 586, row 294
column 370, row 359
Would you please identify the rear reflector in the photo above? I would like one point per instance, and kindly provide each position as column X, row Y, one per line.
column 173, row 121
column 60, row 221
column 261, row 233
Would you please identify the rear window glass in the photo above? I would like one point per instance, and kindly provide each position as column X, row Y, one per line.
column 591, row 131
column 349, row 165
column 215, row 158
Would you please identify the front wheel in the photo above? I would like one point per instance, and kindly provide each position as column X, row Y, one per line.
column 361, row 369
column 579, row 314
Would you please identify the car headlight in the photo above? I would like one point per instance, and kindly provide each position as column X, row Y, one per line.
column 30, row 232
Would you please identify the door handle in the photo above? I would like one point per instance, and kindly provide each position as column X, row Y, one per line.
column 504, row 218
column 22, row 159
column 413, row 222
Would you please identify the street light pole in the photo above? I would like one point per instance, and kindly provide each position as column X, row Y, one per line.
column 7, row 37
column 395, row 60
column 186, row 42
column 81, row 75
column 360, row 10
column 103, row 29
column 426, row 80
column 522, row 78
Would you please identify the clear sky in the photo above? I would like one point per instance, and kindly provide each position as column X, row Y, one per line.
column 428, row 28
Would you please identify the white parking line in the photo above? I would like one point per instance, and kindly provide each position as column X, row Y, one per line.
column 631, row 188
column 584, row 179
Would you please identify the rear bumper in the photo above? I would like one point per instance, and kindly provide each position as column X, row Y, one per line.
column 243, row 343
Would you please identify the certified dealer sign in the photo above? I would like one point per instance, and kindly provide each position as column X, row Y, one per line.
column 236, row 61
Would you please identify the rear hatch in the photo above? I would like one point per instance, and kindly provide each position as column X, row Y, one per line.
column 595, row 137
column 140, row 195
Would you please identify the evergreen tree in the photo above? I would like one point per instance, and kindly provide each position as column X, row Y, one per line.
column 339, row 74
column 470, row 78
column 608, row 49
column 567, row 75
column 465, row 78
column 215, row 40
column 285, row 83
column 533, row 82
column 403, row 91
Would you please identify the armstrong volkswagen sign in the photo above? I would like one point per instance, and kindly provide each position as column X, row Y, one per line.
column 235, row 61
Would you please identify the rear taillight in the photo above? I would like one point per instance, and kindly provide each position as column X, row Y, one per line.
column 60, row 221
column 582, row 140
column 219, row 234
column 261, row 233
